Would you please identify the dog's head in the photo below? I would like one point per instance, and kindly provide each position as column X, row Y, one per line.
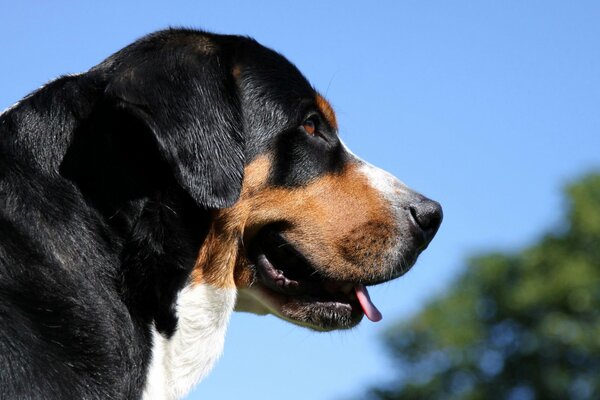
column 300, row 225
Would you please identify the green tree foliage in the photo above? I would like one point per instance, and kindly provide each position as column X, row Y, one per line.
column 514, row 326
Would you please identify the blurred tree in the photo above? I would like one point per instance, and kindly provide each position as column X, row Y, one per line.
column 514, row 326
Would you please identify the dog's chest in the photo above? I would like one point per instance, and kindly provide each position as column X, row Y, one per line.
column 185, row 358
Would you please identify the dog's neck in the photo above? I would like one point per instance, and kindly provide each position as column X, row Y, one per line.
column 182, row 360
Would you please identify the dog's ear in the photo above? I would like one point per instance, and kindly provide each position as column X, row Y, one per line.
column 188, row 100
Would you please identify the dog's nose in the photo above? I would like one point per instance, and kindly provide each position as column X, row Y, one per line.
column 428, row 215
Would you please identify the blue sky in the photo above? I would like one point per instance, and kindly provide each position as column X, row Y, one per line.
column 488, row 107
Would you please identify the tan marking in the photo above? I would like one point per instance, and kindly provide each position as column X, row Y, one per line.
column 333, row 222
column 236, row 71
column 222, row 251
column 326, row 110
column 217, row 257
column 339, row 222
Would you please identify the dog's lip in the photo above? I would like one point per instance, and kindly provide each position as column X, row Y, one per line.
column 276, row 280
column 314, row 309
column 288, row 283
column 312, row 294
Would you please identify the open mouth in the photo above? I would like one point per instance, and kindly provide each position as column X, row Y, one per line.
column 295, row 290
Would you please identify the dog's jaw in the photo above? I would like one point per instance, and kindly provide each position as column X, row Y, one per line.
column 181, row 361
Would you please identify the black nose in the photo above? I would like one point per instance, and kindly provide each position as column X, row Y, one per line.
column 428, row 215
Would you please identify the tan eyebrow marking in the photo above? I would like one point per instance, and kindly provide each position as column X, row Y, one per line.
column 326, row 110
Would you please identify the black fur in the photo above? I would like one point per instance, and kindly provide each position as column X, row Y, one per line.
column 107, row 180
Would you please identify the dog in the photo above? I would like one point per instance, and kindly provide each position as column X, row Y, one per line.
column 186, row 176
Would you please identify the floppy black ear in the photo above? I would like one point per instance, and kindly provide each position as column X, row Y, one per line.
column 188, row 99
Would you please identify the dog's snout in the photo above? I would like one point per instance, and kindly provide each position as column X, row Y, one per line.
column 427, row 214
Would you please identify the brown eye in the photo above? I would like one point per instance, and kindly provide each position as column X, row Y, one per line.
column 309, row 126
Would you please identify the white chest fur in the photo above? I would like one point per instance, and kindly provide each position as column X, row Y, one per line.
column 178, row 363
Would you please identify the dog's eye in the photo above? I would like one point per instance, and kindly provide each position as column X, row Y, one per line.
column 310, row 126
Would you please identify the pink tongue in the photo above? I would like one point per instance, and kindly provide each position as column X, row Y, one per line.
column 367, row 305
